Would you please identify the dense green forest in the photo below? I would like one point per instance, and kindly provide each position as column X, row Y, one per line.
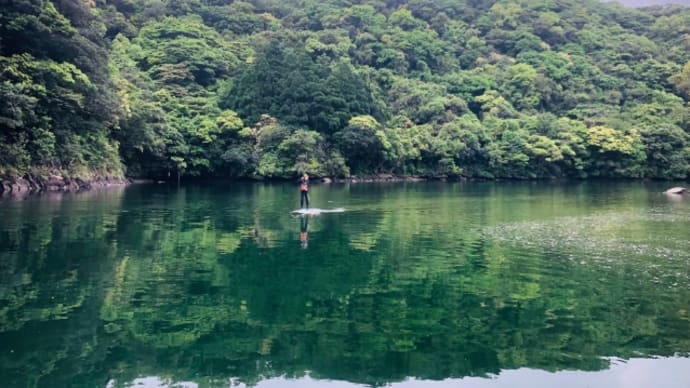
column 267, row 88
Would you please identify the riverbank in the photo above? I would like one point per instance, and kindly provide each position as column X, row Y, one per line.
column 376, row 178
column 56, row 183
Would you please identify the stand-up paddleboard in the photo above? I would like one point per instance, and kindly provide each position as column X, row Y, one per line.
column 316, row 210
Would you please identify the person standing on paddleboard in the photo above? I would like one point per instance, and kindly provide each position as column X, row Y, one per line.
column 304, row 191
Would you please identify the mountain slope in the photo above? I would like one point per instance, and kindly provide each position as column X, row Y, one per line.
column 512, row 89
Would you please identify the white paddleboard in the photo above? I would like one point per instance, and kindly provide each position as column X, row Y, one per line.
column 316, row 210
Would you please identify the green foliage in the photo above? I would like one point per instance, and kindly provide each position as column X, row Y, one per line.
column 287, row 82
column 271, row 149
column 183, row 50
column 169, row 76
column 615, row 152
column 360, row 145
column 682, row 81
column 166, row 87
column 668, row 151
column 58, row 108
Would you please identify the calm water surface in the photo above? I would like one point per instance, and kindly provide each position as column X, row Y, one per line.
column 414, row 285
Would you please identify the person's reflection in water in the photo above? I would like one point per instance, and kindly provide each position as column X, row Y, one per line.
column 303, row 233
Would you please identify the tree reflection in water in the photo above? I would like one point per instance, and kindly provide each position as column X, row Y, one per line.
column 206, row 283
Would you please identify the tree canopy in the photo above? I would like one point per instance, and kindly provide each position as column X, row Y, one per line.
column 494, row 89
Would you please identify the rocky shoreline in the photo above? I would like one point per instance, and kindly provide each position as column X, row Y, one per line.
column 55, row 183
column 388, row 178
column 29, row 184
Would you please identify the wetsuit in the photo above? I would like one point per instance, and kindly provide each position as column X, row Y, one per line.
column 304, row 193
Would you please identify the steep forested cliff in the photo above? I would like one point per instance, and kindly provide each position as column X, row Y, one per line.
column 266, row 88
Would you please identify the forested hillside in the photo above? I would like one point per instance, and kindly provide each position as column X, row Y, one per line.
column 267, row 88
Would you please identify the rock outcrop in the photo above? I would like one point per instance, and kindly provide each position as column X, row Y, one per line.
column 676, row 190
column 30, row 184
column 380, row 178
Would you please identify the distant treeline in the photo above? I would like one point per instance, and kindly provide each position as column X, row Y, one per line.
column 268, row 88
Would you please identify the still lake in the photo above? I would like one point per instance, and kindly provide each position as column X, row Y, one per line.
column 430, row 284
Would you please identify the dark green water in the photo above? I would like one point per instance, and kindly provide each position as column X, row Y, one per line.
column 417, row 284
